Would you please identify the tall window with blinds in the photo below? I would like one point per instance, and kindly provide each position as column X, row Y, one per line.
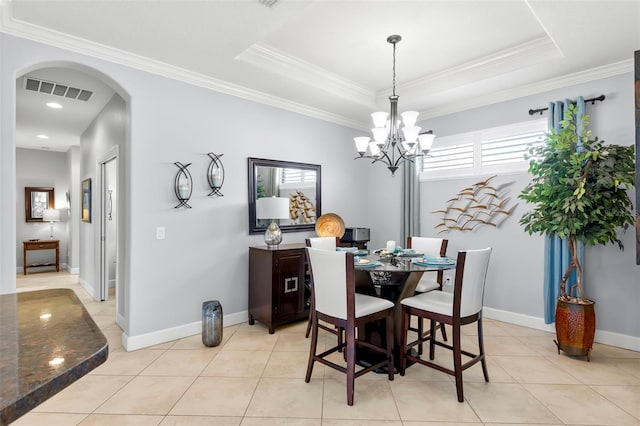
column 494, row 150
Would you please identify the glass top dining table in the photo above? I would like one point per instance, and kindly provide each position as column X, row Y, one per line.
column 403, row 276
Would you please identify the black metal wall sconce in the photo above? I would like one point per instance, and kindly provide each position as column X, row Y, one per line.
column 183, row 185
column 215, row 174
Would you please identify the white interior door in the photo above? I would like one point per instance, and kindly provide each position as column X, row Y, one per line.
column 108, row 228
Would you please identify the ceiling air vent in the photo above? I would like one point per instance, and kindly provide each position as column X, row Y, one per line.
column 57, row 89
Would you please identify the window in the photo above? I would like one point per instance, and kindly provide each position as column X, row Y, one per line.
column 493, row 150
column 293, row 176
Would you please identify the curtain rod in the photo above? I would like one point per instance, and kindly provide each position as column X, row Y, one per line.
column 592, row 100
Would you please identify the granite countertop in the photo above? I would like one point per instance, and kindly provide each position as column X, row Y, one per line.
column 47, row 341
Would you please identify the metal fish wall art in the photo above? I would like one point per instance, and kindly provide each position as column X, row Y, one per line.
column 477, row 205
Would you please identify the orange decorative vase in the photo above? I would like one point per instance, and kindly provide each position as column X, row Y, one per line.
column 575, row 327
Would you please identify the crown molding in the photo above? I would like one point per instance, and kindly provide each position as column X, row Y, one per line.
column 598, row 73
column 510, row 59
column 278, row 62
column 540, row 48
column 64, row 41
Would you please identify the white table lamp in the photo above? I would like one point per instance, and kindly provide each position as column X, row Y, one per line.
column 272, row 208
column 51, row 215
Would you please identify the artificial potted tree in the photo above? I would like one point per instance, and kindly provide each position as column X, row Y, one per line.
column 579, row 190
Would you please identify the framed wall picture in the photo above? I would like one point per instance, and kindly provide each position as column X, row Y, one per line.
column 36, row 201
column 86, row 200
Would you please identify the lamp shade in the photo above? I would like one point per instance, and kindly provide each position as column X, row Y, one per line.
column 272, row 208
column 51, row 215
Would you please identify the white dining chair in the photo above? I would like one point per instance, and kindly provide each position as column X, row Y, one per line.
column 323, row 243
column 335, row 302
column 463, row 306
column 430, row 281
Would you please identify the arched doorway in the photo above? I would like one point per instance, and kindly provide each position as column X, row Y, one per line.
column 91, row 127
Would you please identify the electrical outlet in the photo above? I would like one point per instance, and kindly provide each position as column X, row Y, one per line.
column 160, row 233
column 447, row 282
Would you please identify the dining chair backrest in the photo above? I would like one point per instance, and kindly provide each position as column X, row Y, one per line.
column 471, row 275
column 432, row 247
column 324, row 243
column 332, row 272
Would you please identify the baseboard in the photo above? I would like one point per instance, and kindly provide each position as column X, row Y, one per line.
column 605, row 337
column 88, row 288
column 132, row 343
column 63, row 267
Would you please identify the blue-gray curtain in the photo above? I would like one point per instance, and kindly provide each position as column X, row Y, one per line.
column 410, row 200
column 556, row 251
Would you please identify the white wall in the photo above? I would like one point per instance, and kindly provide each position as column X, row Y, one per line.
column 42, row 169
column 108, row 129
column 612, row 278
column 205, row 253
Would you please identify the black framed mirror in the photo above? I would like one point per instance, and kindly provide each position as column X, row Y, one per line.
column 300, row 182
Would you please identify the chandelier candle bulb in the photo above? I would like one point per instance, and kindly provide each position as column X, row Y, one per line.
column 409, row 118
column 379, row 119
column 361, row 144
column 411, row 133
column 380, row 134
column 426, row 141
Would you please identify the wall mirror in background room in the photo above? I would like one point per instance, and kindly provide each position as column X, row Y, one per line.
column 36, row 201
column 300, row 182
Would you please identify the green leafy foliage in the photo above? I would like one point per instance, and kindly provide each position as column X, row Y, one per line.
column 579, row 194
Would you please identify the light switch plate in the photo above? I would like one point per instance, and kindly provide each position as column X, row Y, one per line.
column 160, row 233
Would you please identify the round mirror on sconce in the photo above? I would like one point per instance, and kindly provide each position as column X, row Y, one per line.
column 215, row 174
column 183, row 185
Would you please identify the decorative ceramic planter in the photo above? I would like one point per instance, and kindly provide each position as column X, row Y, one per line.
column 575, row 327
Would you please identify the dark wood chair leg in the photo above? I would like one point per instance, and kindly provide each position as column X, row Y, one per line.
column 420, row 333
column 403, row 342
column 312, row 349
column 309, row 321
column 432, row 340
column 390, row 363
column 457, row 361
column 443, row 331
column 351, row 364
column 483, row 360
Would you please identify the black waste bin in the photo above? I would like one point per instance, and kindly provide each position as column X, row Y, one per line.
column 211, row 323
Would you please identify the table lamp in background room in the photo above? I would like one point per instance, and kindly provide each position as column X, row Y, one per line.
column 272, row 208
column 51, row 215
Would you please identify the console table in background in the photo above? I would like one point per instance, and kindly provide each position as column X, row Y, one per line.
column 40, row 245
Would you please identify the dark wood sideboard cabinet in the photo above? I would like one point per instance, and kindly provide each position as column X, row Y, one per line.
column 278, row 285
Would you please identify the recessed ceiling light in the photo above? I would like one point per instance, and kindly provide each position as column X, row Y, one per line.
column 53, row 105
column 43, row 137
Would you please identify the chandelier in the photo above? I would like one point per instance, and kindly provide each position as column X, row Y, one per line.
column 388, row 146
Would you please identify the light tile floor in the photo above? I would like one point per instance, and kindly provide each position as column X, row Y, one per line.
column 254, row 378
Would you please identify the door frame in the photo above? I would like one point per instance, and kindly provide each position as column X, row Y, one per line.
column 102, row 271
